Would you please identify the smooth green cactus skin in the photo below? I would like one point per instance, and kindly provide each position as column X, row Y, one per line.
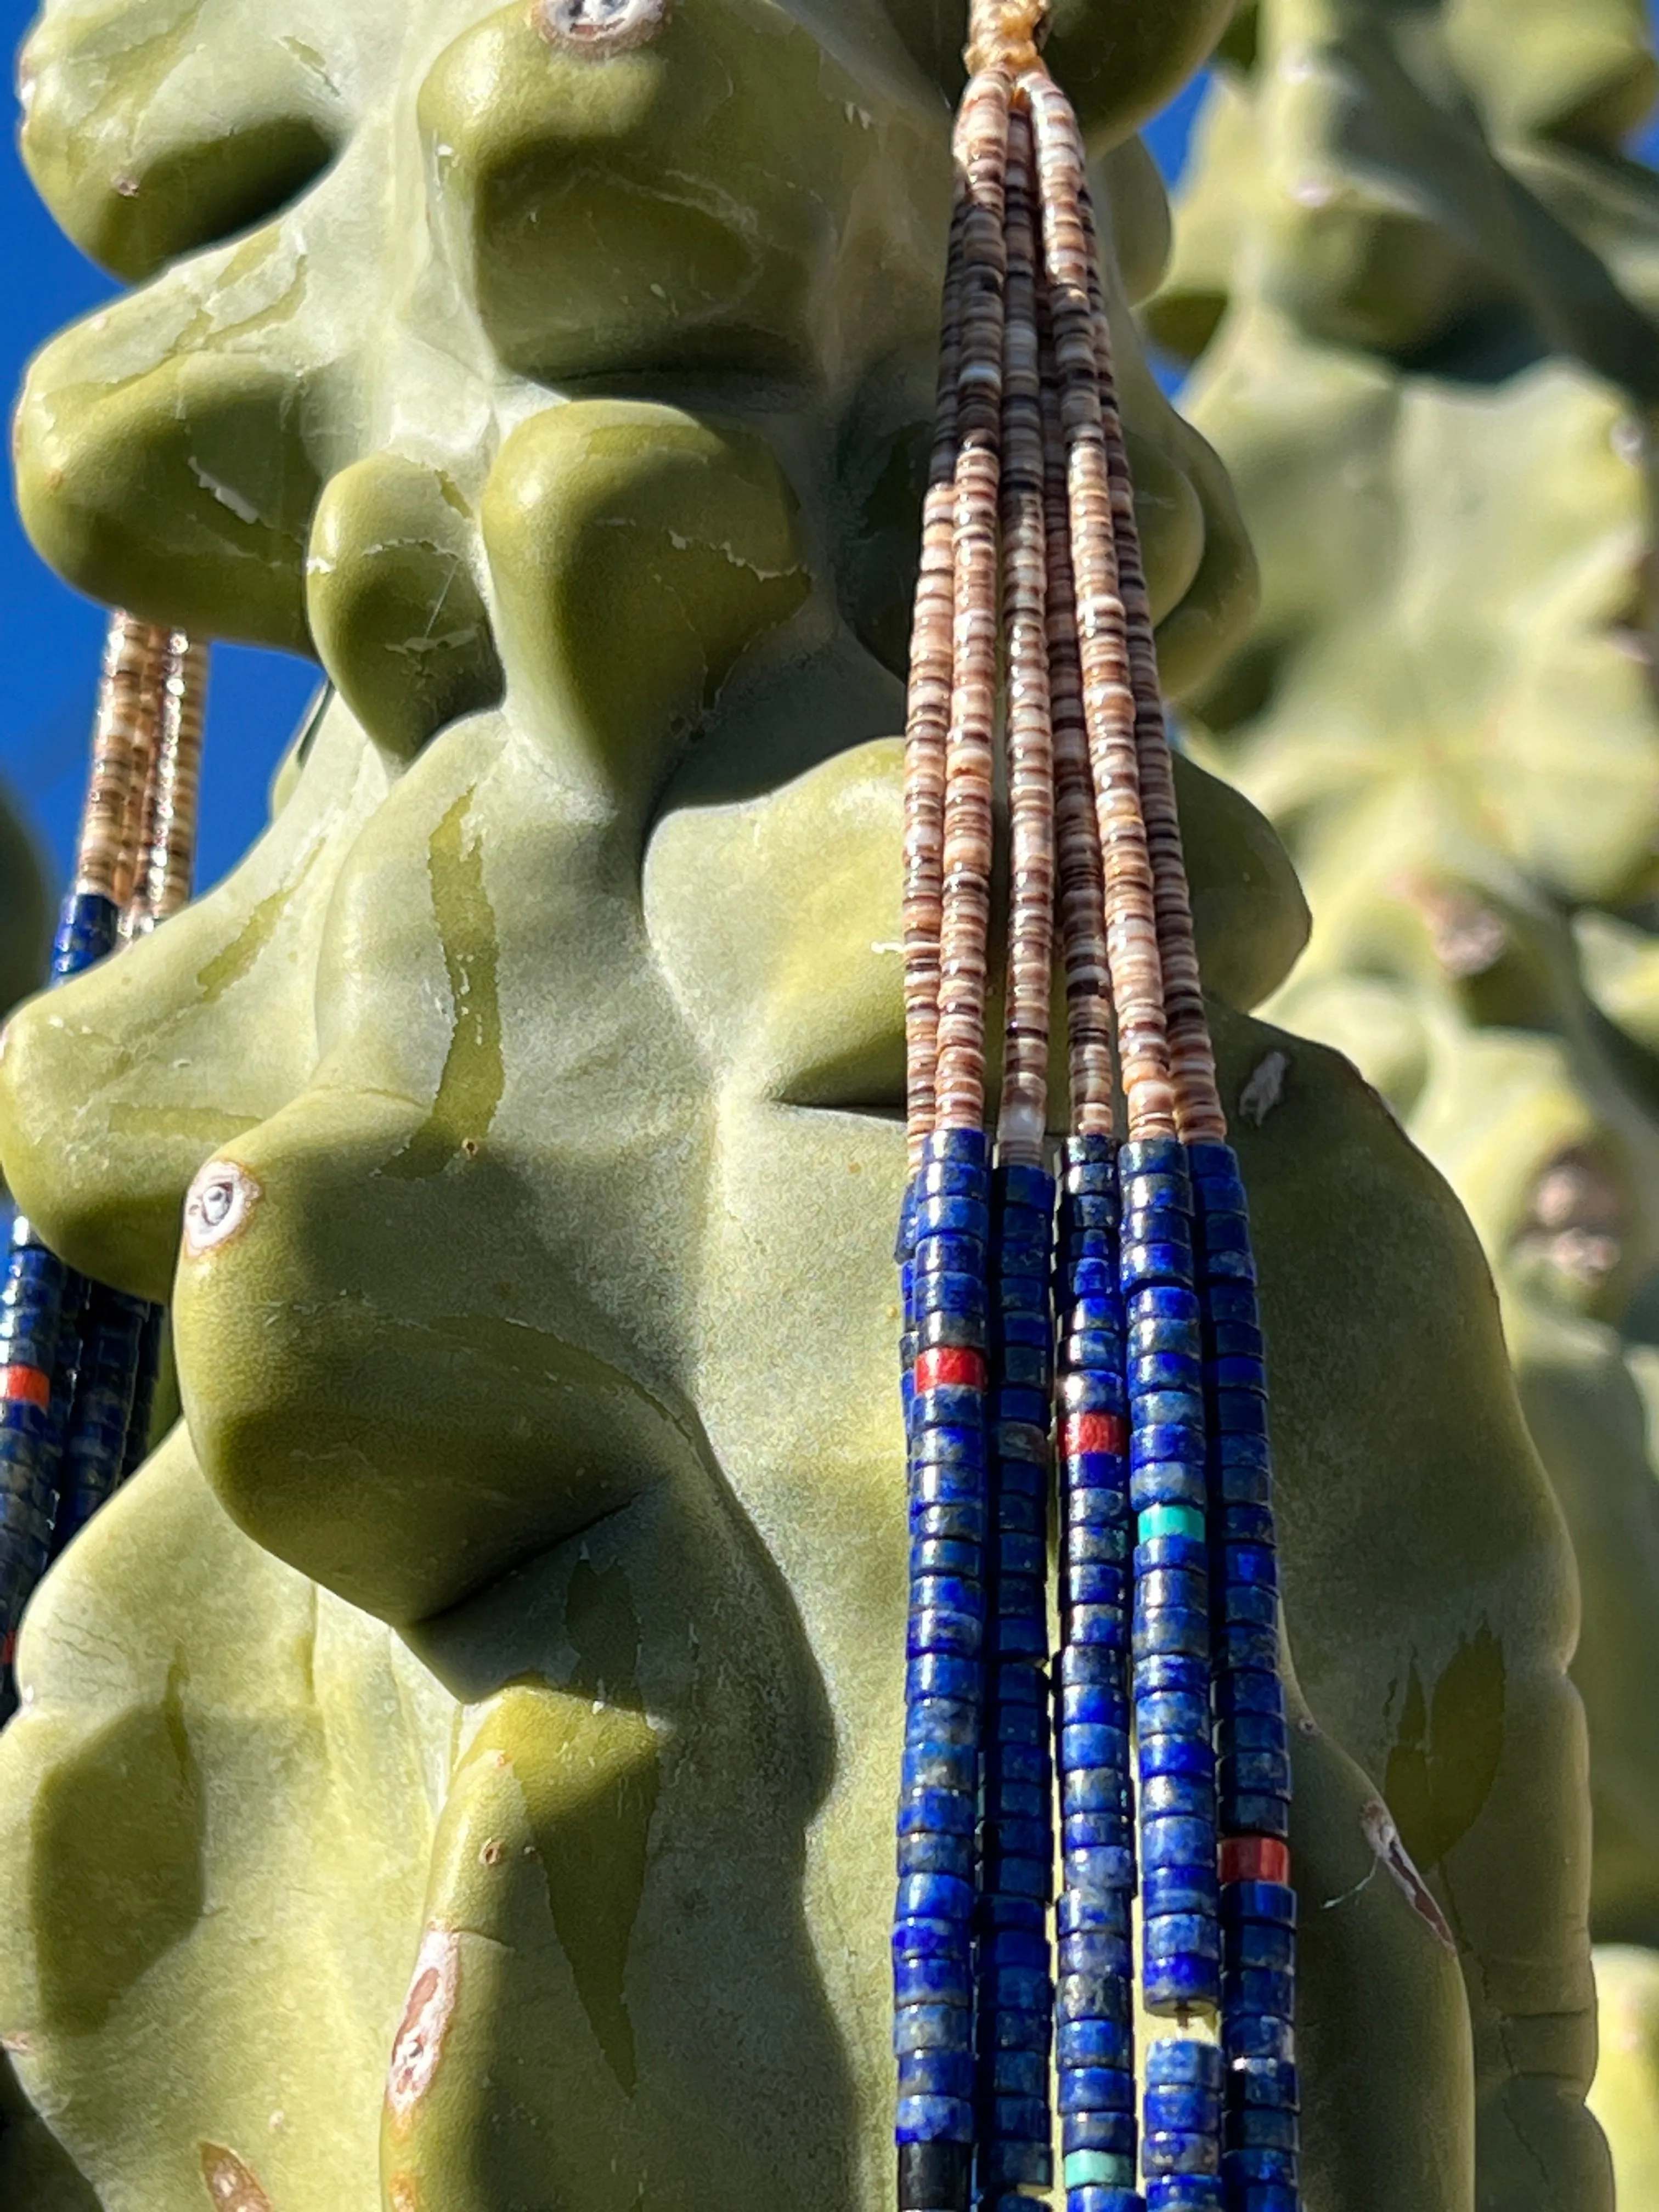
column 1427, row 360
column 456, row 1774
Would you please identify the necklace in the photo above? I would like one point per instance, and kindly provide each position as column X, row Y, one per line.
column 78, row 1358
column 1117, row 1312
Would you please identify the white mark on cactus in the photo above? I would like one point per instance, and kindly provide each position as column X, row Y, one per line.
column 217, row 1205
column 243, row 509
column 597, row 27
column 420, row 2039
column 1383, row 1838
column 1265, row 1089
column 232, row 2185
column 1627, row 438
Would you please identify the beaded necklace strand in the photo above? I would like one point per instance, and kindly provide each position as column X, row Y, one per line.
column 78, row 1358
column 1147, row 1364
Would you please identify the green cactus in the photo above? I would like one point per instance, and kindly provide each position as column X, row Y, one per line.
column 456, row 1774
column 1419, row 277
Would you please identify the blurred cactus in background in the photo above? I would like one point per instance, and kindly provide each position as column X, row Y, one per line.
column 1421, row 283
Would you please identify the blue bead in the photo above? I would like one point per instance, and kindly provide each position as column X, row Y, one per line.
column 949, row 1406
column 947, row 1448
column 1011, row 1914
column 1234, row 1372
column 1247, row 1524
column 1099, row 1545
column 1163, row 1301
column 1020, row 2119
column 1179, row 2061
column 1096, row 2090
column 1185, row 1587
column 1092, row 1791
column 1021, row 2030
column 933, row 1897
column 1101, row 1315
column 1183, row 2192
column 1150, row 1371
column 1268, row 2197
column 1245, row 1486
column 1094, row 1391
column 1016, row 1988
column 1233, row 1448
column 1015, row 1946
column 1102, row 1624
column 1172, row 1712
column 1019, row 1876
column 934, row 1631
column 1141, row 1191
column 1101, row 1665
column 932, row 2027
column 1278, row 2166
column 1182, row 2108
column 1003, row 2166
column 938, row 1676
column 1178, row 1983
column 1169, row 1629
column 942, row 1555
column 1025, row 1406
column 948, row 1593
column 1090, row 1209
column 1104, row 2046
column 939, row 1325
column 1103, row 1867
column 1095, row 1278
column 1189, row 1554
column 1257, row 1692
column 1017, row 1838
column 953, row 1293
column 965, row 1147
column 1164, row 1796
column 1246, row 1645
column 1223, row 1228
column 1212, row 1156
column 1187, row 1756
column 1093, row 2196
column 1172, row 1675
column 1093, row 2128
column 935, row 2074
column 1255, row 1812
column 1023, row 1366
column 1271, row 1903
column 1023, row 1185
column 933, row 1765
column 1157, row 1336
column 1255, row 1989
column 1252, row 2035
column 1153, row 1156
column 1016, row 1682
column 957, row 1519
column 1228, row 1266
column 1109, row 1827
column 1266, row 2082
column 1027, row 1329
column 924, row 1850
column 1266, row 1773
column 1164, row 1934
column 949, row 1255
column 1169, row 1446
column 933, row 2119
column 1156, row 1225
column 1179, row 1889
column 1250, row 1563
column 1096, row 1505
column 1026, row 1763
column 931, row 1939
column 942, row 1213
column 1143, row 1266
column 1239, row 1416
column 1092, row 1746
column 1016, row 1801
column 1017, row 1513
column 1253, row 1946
column 1019, row 1634
column 1093, row 1912
column 1257, row 2127
column 1179, row 2152
column 928, row 1979
column 1096, row 1951
column 947, row 1812
column 1019, row 2074
column 1168, row 1409
column 1178, row 1841
column 1021, row 1724
column 1094, row 1581
column 1245, row 1602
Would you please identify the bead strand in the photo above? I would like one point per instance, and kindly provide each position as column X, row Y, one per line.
column 928, row 720
column 1015, row 1985
column 982, row 154
column 1095, row 2013
column 1023, row 1118
column 1192, row 1057
column 1107, row 698
column 949, row 1224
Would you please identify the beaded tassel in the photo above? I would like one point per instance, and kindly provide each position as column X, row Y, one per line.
column 1168, row 1595
column 73, row 1354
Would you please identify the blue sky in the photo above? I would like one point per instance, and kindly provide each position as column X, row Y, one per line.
column 256, row 698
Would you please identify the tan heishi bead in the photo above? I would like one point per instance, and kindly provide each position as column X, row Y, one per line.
column 166, row 845
column 123, row 738
column 1022, row 1121
column 981, row 145
column 928, row 718
column 1107, row 699
column 1199, row 1112
column 1081, row 887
